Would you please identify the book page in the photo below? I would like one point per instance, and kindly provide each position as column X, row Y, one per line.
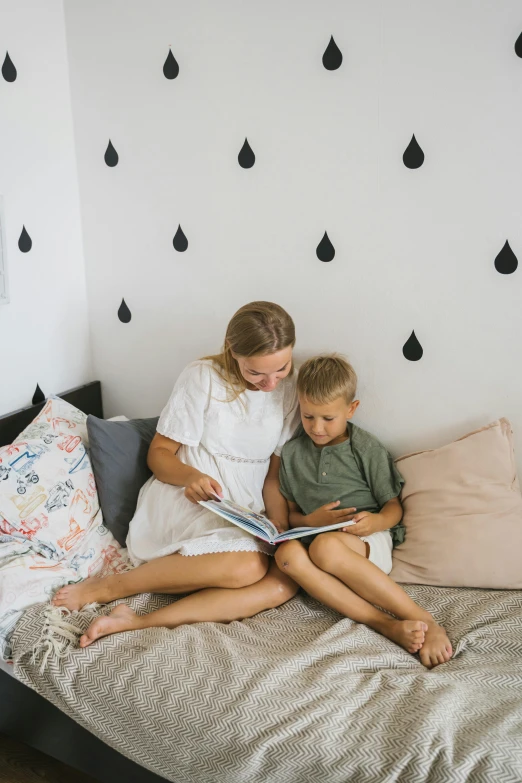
column 253, row 523
column 301, row 532
column 246, row 515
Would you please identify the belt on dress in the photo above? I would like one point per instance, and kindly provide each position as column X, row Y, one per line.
column 241, row 459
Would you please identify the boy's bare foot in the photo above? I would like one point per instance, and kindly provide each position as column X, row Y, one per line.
column 122, row 618
column 410, row 634
column 437, row 647
column 89, row 591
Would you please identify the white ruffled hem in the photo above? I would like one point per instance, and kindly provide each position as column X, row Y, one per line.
column 210, row 545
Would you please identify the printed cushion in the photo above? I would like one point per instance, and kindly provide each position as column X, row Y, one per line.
column 47, row 489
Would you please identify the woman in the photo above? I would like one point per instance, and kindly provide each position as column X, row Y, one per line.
column 221, row 433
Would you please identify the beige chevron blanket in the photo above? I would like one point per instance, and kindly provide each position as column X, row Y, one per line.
column 295, row 695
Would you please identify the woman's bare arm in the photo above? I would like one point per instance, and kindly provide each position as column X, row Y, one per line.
column 162, row 459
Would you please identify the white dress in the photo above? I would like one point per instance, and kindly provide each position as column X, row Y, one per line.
column 230, row 441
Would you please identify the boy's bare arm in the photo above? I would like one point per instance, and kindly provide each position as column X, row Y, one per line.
column 367, row 523
column 295, row 515
column 391, row 513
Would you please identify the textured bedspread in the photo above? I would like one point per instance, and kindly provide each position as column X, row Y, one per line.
column 299, row 695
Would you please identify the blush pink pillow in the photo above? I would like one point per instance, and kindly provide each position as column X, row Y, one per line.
column 462, row 513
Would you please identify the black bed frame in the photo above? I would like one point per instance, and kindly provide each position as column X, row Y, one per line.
column 29, row 718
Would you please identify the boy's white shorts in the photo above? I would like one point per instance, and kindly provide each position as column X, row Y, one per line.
column 381, row 547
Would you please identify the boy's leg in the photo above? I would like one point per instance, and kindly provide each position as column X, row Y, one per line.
column 340, row 554
column 172, row 574
column 219, row 605
column 293, row 559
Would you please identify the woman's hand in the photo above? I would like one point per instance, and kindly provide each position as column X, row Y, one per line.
column 365, row 524
column 281, row 527
column 329, row 514
column 202, row 487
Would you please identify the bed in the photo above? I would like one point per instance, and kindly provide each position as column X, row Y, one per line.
column 295, row 694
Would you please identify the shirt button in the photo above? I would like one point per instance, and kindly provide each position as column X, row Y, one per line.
column 324, row 474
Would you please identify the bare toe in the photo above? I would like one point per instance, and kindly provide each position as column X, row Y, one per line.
column 89, row 591
column 122, row 618
column 437, row 647
column 60, row 597
column 417, row 641
column 97, row 629
column 408, row 633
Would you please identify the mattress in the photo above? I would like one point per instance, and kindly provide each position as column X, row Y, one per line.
column 7, row 667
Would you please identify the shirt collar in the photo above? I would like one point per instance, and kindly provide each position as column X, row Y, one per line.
column 339, row 446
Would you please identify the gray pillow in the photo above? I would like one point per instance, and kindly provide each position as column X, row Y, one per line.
column 118, row 452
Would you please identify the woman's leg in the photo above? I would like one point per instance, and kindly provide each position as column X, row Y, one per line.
column 221, row 605
column 172, row 574
column 343, row 556
column 294, row 560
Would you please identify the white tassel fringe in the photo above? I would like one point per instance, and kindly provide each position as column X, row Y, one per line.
column 58, row 633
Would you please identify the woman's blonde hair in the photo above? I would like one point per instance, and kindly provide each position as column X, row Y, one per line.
column 323, row 379
column 257, row 329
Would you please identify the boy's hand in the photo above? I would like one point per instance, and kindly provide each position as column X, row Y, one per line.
column 329, row 514
column 365, row 524
column 281, row 526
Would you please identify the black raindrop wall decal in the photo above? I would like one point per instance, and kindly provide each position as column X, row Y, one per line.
column 111, row 156
column 506, row 262
column 246, row 156
column 332, row 57
column 325, row 250
column 412, row 349
column 413, row 155
column 38, row 395
column 8, row 69
column 170, row 66
column 124, row 314
column 180, row 241
column 25, row 242
column 518, row 45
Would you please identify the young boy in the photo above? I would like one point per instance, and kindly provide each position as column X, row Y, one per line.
column 336, row 472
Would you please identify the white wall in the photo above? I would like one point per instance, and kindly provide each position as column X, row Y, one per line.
column 414, row 249
column 44, row 329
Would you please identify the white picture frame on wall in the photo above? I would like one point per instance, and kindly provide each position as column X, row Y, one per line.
column 4, row 282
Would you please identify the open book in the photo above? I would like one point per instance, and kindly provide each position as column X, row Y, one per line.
column 259, row 525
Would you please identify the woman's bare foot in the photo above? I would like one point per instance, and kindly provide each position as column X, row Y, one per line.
column 122, row 618
column 409, row 634
column 89, row 591
column 437, row 647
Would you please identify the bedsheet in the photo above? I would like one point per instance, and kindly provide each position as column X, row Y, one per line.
column 297, row 694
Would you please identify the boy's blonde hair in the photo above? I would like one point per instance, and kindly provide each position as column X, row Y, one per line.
column 324, row 379
column 257, row 329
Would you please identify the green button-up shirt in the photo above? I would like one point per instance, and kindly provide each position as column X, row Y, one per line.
column 359, row 472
